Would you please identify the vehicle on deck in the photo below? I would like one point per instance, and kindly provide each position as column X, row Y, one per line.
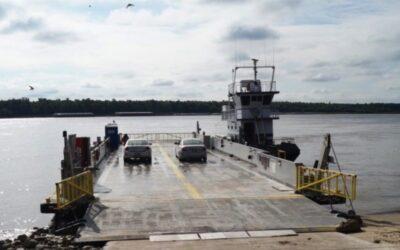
column 191, row 149
column 137, row 149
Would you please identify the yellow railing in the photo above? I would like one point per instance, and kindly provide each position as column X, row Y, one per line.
column 74, row 188
column 327, row 182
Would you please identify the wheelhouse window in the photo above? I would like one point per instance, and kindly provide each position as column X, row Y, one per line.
column 256, row 98
column 245, row 100
column 266, row 100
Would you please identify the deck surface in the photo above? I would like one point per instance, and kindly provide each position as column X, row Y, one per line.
column 222, row 195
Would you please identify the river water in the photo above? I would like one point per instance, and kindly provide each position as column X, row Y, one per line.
column 31, row 150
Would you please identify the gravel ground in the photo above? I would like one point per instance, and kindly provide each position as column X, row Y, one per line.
column 381, row 228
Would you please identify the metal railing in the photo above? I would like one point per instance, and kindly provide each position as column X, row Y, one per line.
column 99, row 152
column 328, row 182
column 162, row 137
column 264, row 86
column 74, row 188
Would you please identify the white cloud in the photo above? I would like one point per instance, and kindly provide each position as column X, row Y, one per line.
column 321, row 77
column 163, row 83
column 129, row 52
column 55, row 37
column 29, row 24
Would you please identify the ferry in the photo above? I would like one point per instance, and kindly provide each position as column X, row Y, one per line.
column 248, row 187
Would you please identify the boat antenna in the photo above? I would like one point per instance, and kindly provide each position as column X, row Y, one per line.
column 255, row 68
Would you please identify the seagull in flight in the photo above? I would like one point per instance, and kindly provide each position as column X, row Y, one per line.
column 31, row 87
column 130, row 5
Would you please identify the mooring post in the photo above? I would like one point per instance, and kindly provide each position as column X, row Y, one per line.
column 73, row 157
column 326, row 149
column 66, row 162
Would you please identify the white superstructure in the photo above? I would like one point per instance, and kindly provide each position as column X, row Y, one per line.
column 248, row 112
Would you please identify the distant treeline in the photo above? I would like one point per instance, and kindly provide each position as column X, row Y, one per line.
column 45, row 107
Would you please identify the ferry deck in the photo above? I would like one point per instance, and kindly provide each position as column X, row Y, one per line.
column 167, row 197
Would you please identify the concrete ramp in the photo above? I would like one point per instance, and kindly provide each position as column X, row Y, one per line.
column 169, row 197
column 326, row 241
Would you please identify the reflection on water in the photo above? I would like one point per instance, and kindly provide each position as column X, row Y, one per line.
column 368, row 145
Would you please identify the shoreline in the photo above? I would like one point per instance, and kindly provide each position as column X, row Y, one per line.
column 192, row 114
column 382, row 229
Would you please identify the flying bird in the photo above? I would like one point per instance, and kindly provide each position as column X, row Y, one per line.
column 130, row 5
column 90, row 6
column 31, row 87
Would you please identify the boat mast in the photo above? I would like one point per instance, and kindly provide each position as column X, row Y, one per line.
column 255, row 69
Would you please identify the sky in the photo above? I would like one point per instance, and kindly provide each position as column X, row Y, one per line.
column 324, row 51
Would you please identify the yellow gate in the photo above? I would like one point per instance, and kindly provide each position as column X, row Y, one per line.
column 74, row 188
column 327, row 182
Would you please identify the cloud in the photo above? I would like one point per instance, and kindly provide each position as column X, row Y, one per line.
column 241, row 56
column 361, row 63
column 163, row 83
column 91, row 86
column 29, row 24
column 322, row 77
column 393, row 88
column 395, row 57
column 277, row 5
column 321, row 91
column 223, row 1
column 320, row 64
column 251, row 33
column 55, row 37
column 187, row 43
column 120, row 75
column 3, row 12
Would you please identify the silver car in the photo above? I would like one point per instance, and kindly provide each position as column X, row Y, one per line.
column 137, row 149
column 189, row 149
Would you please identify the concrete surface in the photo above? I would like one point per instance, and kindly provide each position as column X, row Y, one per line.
column 222, row 195
column 326, row 241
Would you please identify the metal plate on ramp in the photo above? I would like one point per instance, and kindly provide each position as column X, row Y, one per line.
column 224, row 235
column 272, row 233
column 174, row 237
